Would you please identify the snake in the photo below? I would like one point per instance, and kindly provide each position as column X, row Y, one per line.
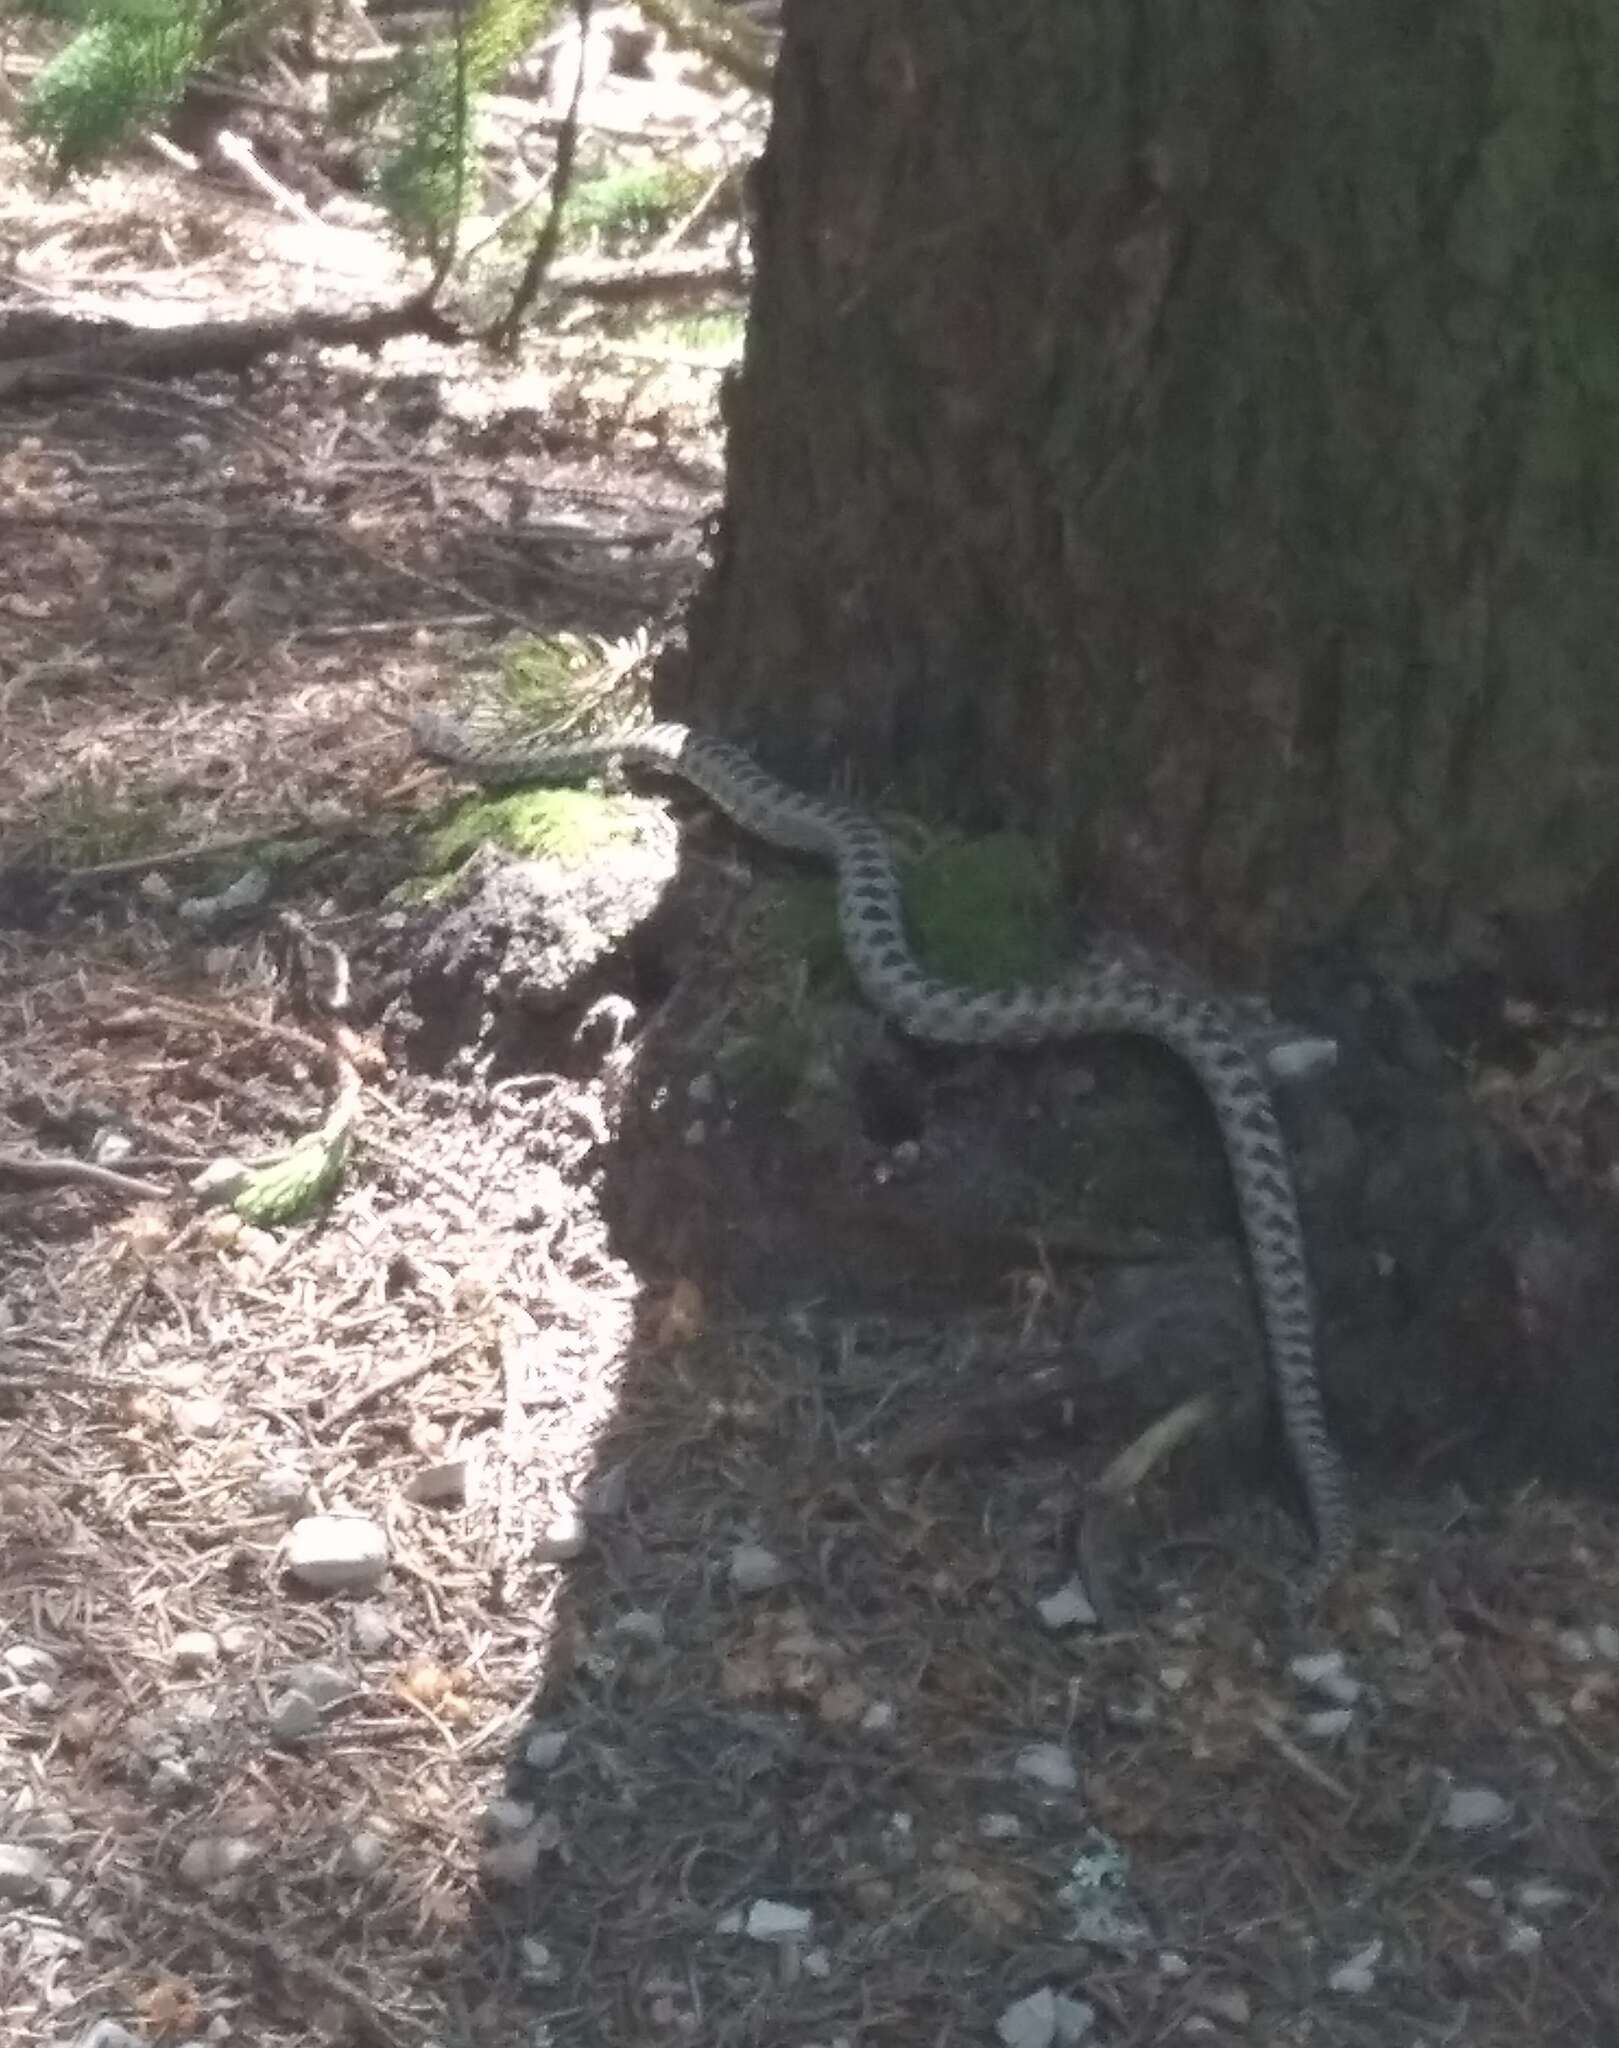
column 1101, row 999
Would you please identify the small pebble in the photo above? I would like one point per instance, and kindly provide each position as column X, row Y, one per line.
column 200, row 1415
column 1473, row 1806
column 769, row 1920
column 1605, row 1641
column 1328, row 1723
column 754, row 1569
column 195, row 1649
column 544, row 1750
column 641, row 1625
column 563, row 1538
column 1048, row 1764
column 1068, row 1607
column 505, row 1817
column 1357, row 1975
column 371, row 1629
column 363, row 1855
column 294, row 1717
column 23, row 1872
column 283, row 1490
column 1523, row 1939
column 337, row 1552
column 27, row 1662
column 323, row 1684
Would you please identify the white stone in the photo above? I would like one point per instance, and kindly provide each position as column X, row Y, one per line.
column 27, row 1662
column 1537, row 1896
column 23, row 1872
column 1031, row 2022
column 1048, row 1764
column 770, row 1920
column 1326, row 1724
column 1605, row 1641
column 1357, row 1975
column 372, row 1630
column 544, row 1750
column 641, row 1624
column 195, row 1649
column 505, row 1817
column 999, row 1827
column 755, row 1569
column 337, row 1552
column 1326, row 1674
column 563, row 1537
column 363, row 1854
column 1523, row 1939
column 1068, row 1607
column 1473, row 1806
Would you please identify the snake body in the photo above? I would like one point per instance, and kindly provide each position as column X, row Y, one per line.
column 1093, row 1000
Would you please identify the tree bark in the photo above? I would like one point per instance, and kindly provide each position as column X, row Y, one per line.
column 1194, row 436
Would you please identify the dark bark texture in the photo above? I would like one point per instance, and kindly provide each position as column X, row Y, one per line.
column 1193, row 434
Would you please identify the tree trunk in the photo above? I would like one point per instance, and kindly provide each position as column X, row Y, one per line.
column 1194, row 436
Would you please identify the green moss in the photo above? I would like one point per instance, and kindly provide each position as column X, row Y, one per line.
column 571, row 825
column 637, row 199
column 982, row 912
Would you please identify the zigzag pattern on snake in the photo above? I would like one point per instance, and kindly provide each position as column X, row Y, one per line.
column 1105, row 999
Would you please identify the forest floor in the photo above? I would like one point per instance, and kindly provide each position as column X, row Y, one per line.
column 763, row 1705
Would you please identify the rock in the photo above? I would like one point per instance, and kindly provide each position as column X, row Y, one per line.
column 1048, row 1764
column 337, row 1552
column 1068, row 1607
column 371, row 1630
column 1473, row 1806
column 769, row 1920
column 108, row 2034
column 544, row 1750
column 1326, row 1724
column 641, row 1625
column 1357, row 1975
column 214, row 1859
column 363, row 1854
column 200, row 1415
column 294, row 1717
column 1326, row 1674
column 194, row 1650
column 562, row 1539
column 283, row 1490
column 503, row 1818
column 515, row 1860
column 24, row 1872
column 754, row 1569
column 446, row 1484
column 28, row 1663
column 323, row 1685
